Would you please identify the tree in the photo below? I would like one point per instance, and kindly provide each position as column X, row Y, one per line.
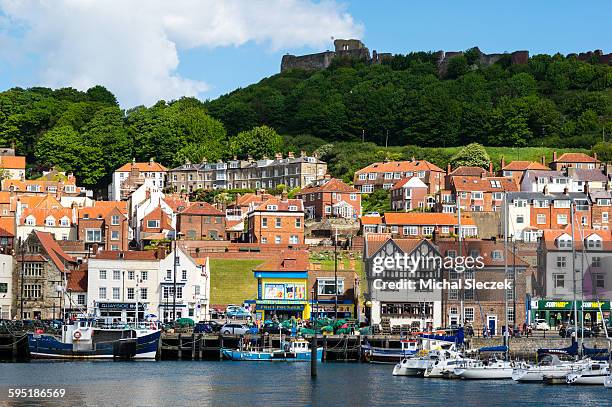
column 258, row 142
column 603, row 150
column 457, row 66
column 378, row 201
column 473, row 155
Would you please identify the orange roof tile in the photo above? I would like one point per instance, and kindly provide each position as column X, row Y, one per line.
column 58, row 256
column 287, row 260
column 333, row 185
column 12, row 162
column 524, row 166
column 7, row 226
column 371, row 220
column 392, row 166
column 202, row 208
column 143, row 167
column 484, row 184
column 247, row 199
column 77, row 279
column 464, row 171
column 41, row 214
column 281, row 205
column 576, row 158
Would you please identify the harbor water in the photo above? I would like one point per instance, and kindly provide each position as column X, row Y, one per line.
column 181, row 383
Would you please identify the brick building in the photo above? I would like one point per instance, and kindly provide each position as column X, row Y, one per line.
column 574, row 160
column 409, row 194
column 201, row 221
column 385, row 174
column 322, row 283
column 277, row 221
column 421, row 225
column 601, row 209
column 516, row 169
column 105, row 224
column 480, row 194
column 331, row 198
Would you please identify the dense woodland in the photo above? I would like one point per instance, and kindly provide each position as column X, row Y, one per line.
column 346, row 114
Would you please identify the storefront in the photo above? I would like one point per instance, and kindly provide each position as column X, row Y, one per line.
column 282, row 295
column 120, row 311
column 557, row 312
column 327, row 309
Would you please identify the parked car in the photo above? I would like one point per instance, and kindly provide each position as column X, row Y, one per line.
column 207, row 327
column 236, row 329
column 238, row 313
column 540, row 325
column 567, row 333
column 275, row 329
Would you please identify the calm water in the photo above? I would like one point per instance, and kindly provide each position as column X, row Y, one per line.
column 274, row 384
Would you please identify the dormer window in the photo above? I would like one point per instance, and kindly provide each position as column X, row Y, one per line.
column 272, row 207
column 85, row 216
column 495, row 184
column 497, row 255
column 593, row 242
column 564, row 243
column 30, row 220
column 50, row 221
column 292, row 208
column 65, row 221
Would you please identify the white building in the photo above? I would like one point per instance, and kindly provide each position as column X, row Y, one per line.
column 132, row 175
column 118, row 280
column 6, row 286
column 553, row 181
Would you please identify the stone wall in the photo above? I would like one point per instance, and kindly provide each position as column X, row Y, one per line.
column 527, row 347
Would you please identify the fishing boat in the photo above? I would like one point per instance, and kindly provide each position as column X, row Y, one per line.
column 88, row 338
column 550, row 366
column 595, row 373
column 374, row 354
column 291, row 351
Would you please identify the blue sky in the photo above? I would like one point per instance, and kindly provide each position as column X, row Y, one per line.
column 207, row 48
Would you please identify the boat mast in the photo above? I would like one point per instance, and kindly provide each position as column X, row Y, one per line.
column 574, row 269
column 460, row 291
column 506, row 269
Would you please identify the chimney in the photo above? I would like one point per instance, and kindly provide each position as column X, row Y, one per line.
column 413, row 159
column 284, row 195
column 94, row 249
column 302, row 153
column 565, row 191
column 327, row 176
column 151, row 161
column 545, row 191
column 543, row 160
column 278, row 156
column 586, row 188
column 341, row 265
column 595, row 156
column 160, row 252
column 554, row 156
column 491, row 167
column 290, row 154
column 503, row 162
column 448, row 169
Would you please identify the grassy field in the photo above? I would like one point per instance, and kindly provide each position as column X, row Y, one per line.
column 232, row 281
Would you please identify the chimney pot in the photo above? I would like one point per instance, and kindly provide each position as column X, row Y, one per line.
column 595, row 156
column 554, row 156
column 491, row 167
column 503, row 162
column 543, row 160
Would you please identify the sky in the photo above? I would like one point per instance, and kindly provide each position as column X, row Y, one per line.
column 144, row 51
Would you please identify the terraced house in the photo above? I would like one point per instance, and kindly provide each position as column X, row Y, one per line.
column 278, row 221
column 331, row 198
column 383, row 175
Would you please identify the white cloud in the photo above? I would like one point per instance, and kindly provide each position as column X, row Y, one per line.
column 131, row 47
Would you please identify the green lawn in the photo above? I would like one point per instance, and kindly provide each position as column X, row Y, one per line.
column 232, row 281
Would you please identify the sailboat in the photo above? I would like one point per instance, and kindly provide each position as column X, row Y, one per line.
column 595, row 372
column 550, row 366
column 432, row 347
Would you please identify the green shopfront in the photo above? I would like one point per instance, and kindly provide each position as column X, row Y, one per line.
column 557, row 312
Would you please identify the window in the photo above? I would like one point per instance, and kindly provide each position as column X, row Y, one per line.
column 540, row 203
column 593, row 243
column 116, row 275
column 144, row 293
column 327, row 209
column 93, row 235
column 264, row 222
column 520, row 219
column 562, row 219
column 144, row 275
column 64, row 222
column 428, row 230
column 179, row 292
column 372, row 175
column 600, row 281
column 476, row 195
column 564, row 243
column 367, row 188
column 114, row 235
column 498, row 196
column 411, row 230
column 102, row 293
column 130, row 274
column 596, row 262
column 293, row 239
column 561, row 261
column 277, row 239
column 196, row 289
column 278, row 223
column 565, row 203
column 153, row 224
column 31, row 290
column 468, row 314
column 272, row 207
column 604, row 217
column 184, row 275
column 497, row 255
column 326, row 286
column 362, row 177
column 541, row 219
column 31, row 269
column 495, row 184
column 81, row 299
column 353, row 197
column 292, row 208
column 115, row 220
column 298, row 223
column 114, row 247
column 453, row 294
column 50, row 221
column 520, row 203
column 102, row 274
column 3, row 288
column 130, row 293
column 510, row 313
column 116, row 293
column 388, row 175
column 387, row 186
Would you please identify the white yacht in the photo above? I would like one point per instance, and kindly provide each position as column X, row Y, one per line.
column 608, row 382
column 595, row 372
column 487, row 369
column 550, row 367
column 444, row 364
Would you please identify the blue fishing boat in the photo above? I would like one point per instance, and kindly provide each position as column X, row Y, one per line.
column 292, row 351
column 86, row 338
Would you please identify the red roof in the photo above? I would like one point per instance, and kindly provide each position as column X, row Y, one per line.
column 487, row 184
column 12, row 162
column 281, row 205
column 464, row 171
column 287, row 260
column 7, row 227
column 371, row 220
column 524, row 166
column 57, row 255
column 150, row 166
column 333, row 185
column 77, row 280
column 576, row 158
column 404, row 181
column 202, row 208
column 126, row 255
column 394, row 166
